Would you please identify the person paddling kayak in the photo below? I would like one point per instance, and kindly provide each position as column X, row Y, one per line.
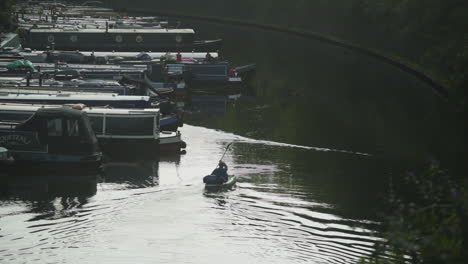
column 219, row 178
column 221, row 172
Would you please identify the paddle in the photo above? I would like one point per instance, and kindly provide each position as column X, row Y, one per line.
column 207, row 179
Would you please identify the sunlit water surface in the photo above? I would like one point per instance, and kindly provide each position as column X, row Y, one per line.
column 159, row 212
column 352, row 122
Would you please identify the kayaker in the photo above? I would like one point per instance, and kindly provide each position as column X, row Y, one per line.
column 221, row 172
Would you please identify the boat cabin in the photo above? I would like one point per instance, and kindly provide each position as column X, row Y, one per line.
column 217, row 71
column 117, row 130
column 52, row 135
column 126, row 132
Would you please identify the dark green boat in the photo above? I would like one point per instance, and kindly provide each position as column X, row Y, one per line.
column 229, row 184
column 51, row 138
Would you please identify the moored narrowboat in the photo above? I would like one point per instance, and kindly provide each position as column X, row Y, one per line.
column 52, row 138
column 120, row 132
column 20, row 112
column 111, row 100
column 124, row 132
column 148, row 39
column 208, row 77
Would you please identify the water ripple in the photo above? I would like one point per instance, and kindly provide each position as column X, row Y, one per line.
column 306, row 231
column 241, row 139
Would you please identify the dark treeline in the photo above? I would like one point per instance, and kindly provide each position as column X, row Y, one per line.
column 432, row 34
column 6, row 8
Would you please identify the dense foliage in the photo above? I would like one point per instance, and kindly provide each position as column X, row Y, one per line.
column 425, row 221
column 432, row 34
column 6, row 7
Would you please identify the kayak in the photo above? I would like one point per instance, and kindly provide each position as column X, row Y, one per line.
column 232, row 179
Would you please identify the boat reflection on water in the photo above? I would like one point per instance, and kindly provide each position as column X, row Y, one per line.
column 49, row 187
column 211, row 103
column 131, row 173
column 171, row 158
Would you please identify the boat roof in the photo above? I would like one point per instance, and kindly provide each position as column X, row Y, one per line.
column 50, row 90
column 124, row 53
column 59, row 112
column 90, row 110
column 115, row 31
column 84, row 97
column 117, row 111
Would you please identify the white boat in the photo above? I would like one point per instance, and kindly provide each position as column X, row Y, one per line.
column 119, row 131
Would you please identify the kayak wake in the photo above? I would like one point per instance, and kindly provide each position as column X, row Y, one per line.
column 240, row 139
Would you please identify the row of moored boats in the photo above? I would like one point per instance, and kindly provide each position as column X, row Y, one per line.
column 81, row 82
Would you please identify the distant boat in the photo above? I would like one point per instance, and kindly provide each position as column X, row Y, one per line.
column 63, row 71
column 52, row 137
column 100, row 56
column 210, row 76
column 75, row 86
column 146, row 39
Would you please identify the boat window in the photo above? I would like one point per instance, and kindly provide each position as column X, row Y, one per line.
column 54, row 127
column 209, row 69
column 73, row 128
column 96, row 124
column 175, row 68
column 133, row 126
column 12, row 116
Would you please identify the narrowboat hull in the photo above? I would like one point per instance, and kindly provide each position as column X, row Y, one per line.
column 119, row 40
column 200, row 46
column 46, row 166
column 44, row 162
column 138, row 104
column 53, row 139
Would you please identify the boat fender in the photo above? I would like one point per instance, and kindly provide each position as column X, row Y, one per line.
column 232, row 72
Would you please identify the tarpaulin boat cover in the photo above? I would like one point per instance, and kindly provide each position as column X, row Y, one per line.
column 20, row 64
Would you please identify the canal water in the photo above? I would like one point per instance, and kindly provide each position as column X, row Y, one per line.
column 316, row 139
